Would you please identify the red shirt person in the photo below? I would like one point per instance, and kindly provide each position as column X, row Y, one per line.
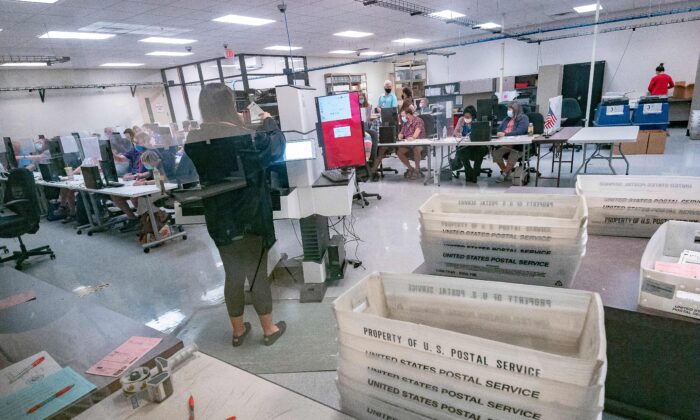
column 661, row 83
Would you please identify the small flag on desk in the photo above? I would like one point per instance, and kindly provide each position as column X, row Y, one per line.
column 551, row 120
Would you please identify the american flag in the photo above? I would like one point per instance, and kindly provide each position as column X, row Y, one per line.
column 551, row 120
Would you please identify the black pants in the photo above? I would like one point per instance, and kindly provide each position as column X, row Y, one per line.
column 472, row 153
column 242, row 259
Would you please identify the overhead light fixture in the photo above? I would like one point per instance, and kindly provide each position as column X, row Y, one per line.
column 342, row 52
column 121, row 64
column 170, row 53
column 447, row 14
column 76, row 35
column 243, row 20
column 282, row 48
column 407, row 41
column 353, row 34
column 175, row 41
column 371, row 53
column 23, row 64
column 587, row 8
column 488, row 25
column 40, row 1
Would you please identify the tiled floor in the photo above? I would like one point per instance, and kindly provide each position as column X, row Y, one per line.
column 165, row 288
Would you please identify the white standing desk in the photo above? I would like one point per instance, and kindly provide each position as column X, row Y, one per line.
column 600, row 136
column 220, row 391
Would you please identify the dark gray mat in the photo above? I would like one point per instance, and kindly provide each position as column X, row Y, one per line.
column 309, row 345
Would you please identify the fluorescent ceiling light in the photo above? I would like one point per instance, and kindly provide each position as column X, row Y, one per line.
column 23, row 64
column 587, row 8
column 282, row 48
column 121, row 64
column 75, row 35
column 407, row 41
column 170, row 53
column 489, row 25
column 160, row 40
column 341, row 52
column 353, row 34
column 371, row 53
column 40, row 1
column 243, row 20
column 447, row 14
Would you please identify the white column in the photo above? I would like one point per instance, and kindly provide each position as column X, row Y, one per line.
column 503, row 60
column 591, row 74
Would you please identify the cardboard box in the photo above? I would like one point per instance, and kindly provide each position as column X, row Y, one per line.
column 638, row 148
column 657, row 142
column 683, row 90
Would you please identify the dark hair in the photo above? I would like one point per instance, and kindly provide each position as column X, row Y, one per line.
column 407, row 92
column 469, row 110
column 660, row 67
column 408, row 110
column 217, row 104
column 130, row 132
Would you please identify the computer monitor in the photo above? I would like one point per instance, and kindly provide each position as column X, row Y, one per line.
column 485, row 109
column 109, row 170
column 71, row 151
column 55, row 147
column 481, row 131
column 341, row 130
column 390, row 116
column 9, row 154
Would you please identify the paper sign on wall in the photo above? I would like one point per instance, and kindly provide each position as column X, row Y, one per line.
column 614, row 110
column 339, row 132
column 652, row 108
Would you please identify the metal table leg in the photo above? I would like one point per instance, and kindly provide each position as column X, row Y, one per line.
column 154, row 226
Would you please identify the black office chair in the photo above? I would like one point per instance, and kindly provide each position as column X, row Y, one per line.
column 20, row 198
column 365, row 172
column 537, row 121
column 571, row 110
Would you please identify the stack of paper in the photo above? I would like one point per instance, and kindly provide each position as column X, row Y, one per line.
column 670, row 281
column 519, row 238
column 414, row 346
column 637, row 205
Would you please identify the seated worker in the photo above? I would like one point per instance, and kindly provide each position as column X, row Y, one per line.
column 465, row 154
column 41, row 155
column 413, row 128
column 136, row 172
column 515, row 124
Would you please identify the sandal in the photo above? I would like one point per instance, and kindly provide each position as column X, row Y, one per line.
column 238, row 341
column 270, row 339
column 413, row 174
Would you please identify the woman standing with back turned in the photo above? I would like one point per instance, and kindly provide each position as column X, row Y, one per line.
column 240, row 221
column 661, row 83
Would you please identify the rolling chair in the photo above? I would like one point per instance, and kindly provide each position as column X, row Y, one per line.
column 362, row 195
column 571, row 110
column 21, row 199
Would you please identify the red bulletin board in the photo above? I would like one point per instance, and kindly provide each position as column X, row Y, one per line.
column 343, row 135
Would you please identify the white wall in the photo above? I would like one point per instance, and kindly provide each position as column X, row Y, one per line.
column 377, row 73
column 675, row 45
column 22, row 114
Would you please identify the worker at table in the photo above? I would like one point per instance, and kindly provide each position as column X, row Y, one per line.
column 413, row 128
column 467, row 154
column 515, row 124
column 661, row 83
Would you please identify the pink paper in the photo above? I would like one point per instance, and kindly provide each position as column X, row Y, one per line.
column 118, row 361
column 685, row 270
column 23, row 297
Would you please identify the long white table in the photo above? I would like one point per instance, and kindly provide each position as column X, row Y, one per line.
column 220, row 391
column 129, row 190
column 441, row 144
column 600, row 136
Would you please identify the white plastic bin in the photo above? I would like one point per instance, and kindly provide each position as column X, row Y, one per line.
column 362, row 353
column 365, row 407
column 665, row 291
column 362, row 311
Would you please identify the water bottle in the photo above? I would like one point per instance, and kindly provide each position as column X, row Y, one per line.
column 530, row 130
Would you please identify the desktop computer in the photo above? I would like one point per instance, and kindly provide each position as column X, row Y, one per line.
column 10, row 154
column 109, row 169
column 481, row 131
column 390, row 116
column 91, row 177
column 55, row 147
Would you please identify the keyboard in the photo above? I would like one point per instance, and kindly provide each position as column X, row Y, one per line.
column 114, row 184
column 336, row 175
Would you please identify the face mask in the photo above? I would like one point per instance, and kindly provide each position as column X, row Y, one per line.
column 404, row 119
column 467, row 120
column 510, row 113
column 38, row 146
column 139, row 148
column 388, row 91
column 362, row 101
column 149, row 167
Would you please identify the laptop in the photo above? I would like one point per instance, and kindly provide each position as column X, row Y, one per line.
column 387, row 135
column 481, row 131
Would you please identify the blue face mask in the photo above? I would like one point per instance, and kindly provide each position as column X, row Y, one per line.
column 139, row 148
column 362, row 101
column 149, row 167
column 510, row 113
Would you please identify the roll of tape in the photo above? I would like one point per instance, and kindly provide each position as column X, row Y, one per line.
column 135, row 380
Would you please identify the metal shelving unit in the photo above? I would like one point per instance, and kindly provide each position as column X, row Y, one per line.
column 345, row 82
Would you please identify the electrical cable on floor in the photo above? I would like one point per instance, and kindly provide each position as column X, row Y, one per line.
column 296, row 235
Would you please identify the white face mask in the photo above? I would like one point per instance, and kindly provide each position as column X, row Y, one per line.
column 467, row 120
column 510, row 113
column 404, row 119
